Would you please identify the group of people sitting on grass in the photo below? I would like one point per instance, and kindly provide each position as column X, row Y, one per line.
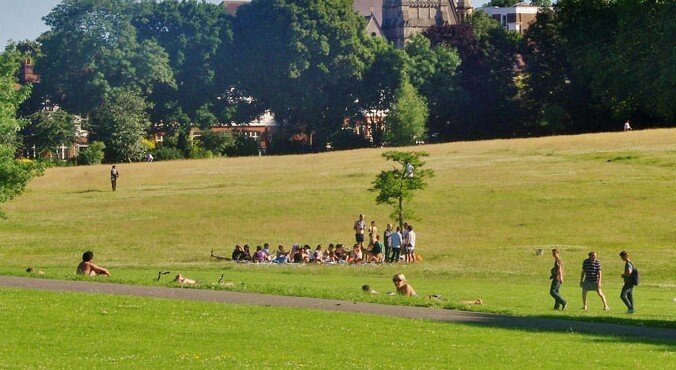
column 389, row 249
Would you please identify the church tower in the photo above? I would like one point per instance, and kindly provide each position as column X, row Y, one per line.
column 405, row 18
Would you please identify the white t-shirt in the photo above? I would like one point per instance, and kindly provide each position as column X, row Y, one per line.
column 411, row 238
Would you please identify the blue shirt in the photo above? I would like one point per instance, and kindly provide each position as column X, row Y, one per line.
column 396, row 240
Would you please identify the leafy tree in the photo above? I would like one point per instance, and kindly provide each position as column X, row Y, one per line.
column 244, row 146
column 405, row 123
column 14, row 174
column 92, row 48
column 346, row 139
column 396, row 187
column 93, row 154
column 48, row 129
column 432, row 70
column 320, row 51
column 121, row 123
column 543, row 3
column 217, row 142
column 198, row 39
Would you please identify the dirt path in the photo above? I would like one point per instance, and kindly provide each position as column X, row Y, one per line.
column 434, row 314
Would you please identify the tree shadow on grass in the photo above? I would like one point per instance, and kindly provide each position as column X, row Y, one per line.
column 602, row 331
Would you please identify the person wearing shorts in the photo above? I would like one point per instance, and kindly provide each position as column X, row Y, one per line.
column 410, row 245
column 359, row 227
column 590, row 280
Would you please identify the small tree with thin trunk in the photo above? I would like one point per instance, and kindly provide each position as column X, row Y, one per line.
column 396, row 186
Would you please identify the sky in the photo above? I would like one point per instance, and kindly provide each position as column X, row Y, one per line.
column 22, row 19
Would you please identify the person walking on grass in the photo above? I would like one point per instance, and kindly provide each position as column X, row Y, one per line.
column 359, row 227
column 557, row 280
column 590, row 280
column 627, row 294
column 114, row 175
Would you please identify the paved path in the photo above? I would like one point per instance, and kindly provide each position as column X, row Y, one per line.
column 434, row 314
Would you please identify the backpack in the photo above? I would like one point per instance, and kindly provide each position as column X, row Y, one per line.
column 634, row 277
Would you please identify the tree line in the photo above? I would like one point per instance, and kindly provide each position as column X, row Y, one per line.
column 132, row 68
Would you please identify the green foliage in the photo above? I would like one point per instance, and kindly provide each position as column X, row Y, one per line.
column 405, row 122
column 396, row 187
column 93, row 154
column 92, row 48
column 244, row 146
column 168, row 153
column 383, row 77
column 14, row 174
column 121, row 123
column 48, row 129
column 219, row 143
column 348, row 139
column 544, row 3
column 197, row 152
column 320, row 51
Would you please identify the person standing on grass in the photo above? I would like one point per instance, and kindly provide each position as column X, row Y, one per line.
column 388, row 242
column 114, row 175
column 410, row 245
column 395, row 243
column 557, row 280
column 590, row 280
column 359, row 227
column 627, row 294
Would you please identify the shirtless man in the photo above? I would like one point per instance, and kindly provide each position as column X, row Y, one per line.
column 402, row 286
column 359, row 227
column 88, row 268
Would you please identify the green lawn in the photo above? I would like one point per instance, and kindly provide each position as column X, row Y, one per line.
column 490, row 206
column 65, row 330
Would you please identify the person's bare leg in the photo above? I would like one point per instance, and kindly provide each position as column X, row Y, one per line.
column 584, row 299
column 603, row 298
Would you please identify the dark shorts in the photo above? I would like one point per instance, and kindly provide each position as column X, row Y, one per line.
column 590, row 286
column 359, row 238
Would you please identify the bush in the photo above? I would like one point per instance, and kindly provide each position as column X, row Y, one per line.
column 197, row 152
column 167, row 154
column 348, row 139
column 93, row 154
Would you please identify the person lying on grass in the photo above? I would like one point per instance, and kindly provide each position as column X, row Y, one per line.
column 402, row 286
column 183, row 280
column 88, row 268
column 368, row 290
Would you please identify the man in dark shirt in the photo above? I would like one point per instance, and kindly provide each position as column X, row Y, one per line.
column 590, row 279
column 627, row 294
column 114, row 175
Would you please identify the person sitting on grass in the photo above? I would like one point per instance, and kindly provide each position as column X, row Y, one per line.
column 247, row 253
column 318, row 256
column 281, row 256
column 402, row 286
column 306, row 254
column 356, row 254
column 266, row 251
column 259, row 255
column 238, row 254
column 88, row 268
column 376, row 255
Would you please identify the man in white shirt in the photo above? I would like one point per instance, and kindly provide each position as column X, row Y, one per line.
column 410, row 246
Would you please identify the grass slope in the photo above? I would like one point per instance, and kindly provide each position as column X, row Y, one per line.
column 491, row 204
column 50, row 330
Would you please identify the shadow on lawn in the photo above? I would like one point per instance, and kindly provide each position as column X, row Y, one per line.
column 607, row 331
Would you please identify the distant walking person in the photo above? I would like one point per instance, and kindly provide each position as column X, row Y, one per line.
column 114, row 175
column 557, row 280
column 627, row 294
column 627, row 126
column 590, row 280
column 359, row 227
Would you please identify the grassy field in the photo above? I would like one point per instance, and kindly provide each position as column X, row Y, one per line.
column 50, row 330
column 489, row 207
